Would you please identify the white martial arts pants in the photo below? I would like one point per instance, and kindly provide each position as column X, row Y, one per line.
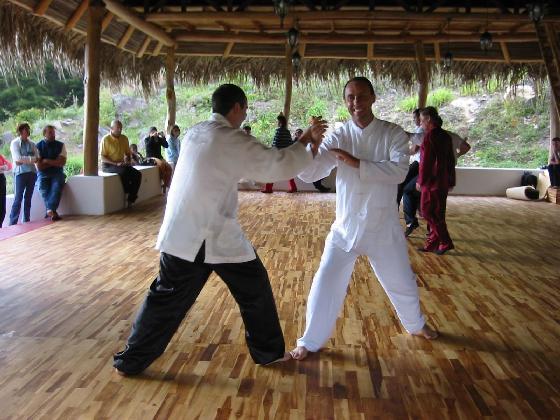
column 391, row 266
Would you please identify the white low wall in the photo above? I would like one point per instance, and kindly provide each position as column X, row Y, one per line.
column 470, row 181
column 92, row 195
column 488, row 181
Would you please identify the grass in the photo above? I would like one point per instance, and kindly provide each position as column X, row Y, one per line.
column 437, row 98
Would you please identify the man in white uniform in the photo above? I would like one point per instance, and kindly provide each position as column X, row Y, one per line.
column 372, row 159
column 200, row 234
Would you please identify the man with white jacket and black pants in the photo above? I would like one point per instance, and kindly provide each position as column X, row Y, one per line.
column 200, row 234
column 371, row 156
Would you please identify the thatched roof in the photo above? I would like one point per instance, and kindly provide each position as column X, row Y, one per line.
column 245, row 38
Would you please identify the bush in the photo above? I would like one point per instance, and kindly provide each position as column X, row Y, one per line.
column 31, row 115
column 408, row 104
column 440, row 97
column 342, row 113
column 74, row 165
column 318, row 108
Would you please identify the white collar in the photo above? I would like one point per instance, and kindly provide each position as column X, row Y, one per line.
column 367, row 127
column 219, row 118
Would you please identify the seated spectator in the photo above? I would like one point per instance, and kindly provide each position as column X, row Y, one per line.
column 24, row 156
column 52, row 158
column 554, row 162
column 174, row 146
column 135, row 156
column 153, row 144
column 116, row 158
column 282, row 139
column 5, row 167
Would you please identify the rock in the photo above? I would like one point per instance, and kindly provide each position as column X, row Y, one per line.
column 126, row 104
column 7, row 137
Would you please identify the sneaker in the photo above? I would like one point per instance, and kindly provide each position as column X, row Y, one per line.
column 410, row 228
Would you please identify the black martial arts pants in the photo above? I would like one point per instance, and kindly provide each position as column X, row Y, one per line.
column 131, row 178
column 174, row 291
column 413, row 169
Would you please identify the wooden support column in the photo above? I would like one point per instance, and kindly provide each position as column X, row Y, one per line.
column 92, row 81
column 554, row 119
column 170, row 89
column 289, row 77
column 423, row 78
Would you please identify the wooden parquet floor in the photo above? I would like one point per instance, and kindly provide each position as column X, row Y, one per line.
column 69, row 292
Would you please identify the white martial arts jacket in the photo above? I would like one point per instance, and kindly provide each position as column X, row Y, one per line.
column 366, row 198
column 202, row 200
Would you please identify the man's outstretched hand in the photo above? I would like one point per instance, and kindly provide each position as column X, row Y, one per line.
column 346, row 157
column 314, row 135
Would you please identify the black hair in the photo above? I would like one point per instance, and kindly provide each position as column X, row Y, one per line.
column 432, row 113
column 416, row 112
column 226, row 96
column 282, row 120
column 359, row 79
column 23, row 126
column 247, row 127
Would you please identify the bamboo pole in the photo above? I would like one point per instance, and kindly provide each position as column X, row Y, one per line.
column 170, row 89
column 41, row 7
column 289, row 76
column 92, row 81
column 133, row 19
column 77, row 15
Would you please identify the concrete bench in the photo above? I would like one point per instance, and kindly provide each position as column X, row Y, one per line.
column 92, row 195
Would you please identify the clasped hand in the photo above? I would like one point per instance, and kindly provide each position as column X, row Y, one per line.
column 314, row 135
column 346, row 157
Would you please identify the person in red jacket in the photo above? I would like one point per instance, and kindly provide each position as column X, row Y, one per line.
column 436, row 177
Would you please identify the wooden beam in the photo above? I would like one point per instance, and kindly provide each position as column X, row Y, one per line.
column 157, row 49
column 143, row 47
column 92, row 82
column 338, row 38
column 360, row 15
column 77, row 15
column 126, row 36
column 41, row 7
column 289, row 74
column 377, row 57
column 133, row 19
column 370, row 49
column 437, row 53
column 228, row 49
column 554, row 120
column 505, row 52
column 170, row 65
column 106, row 21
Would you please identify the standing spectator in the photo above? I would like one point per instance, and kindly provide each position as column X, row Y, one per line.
column 5, row 166
column 554, row 162
column 116, row 159
column 153, row 143
column 24, row 156
column 174, row 146
column 436, row 177
column 282, row 139
column 52, row 158
column 414, row 149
